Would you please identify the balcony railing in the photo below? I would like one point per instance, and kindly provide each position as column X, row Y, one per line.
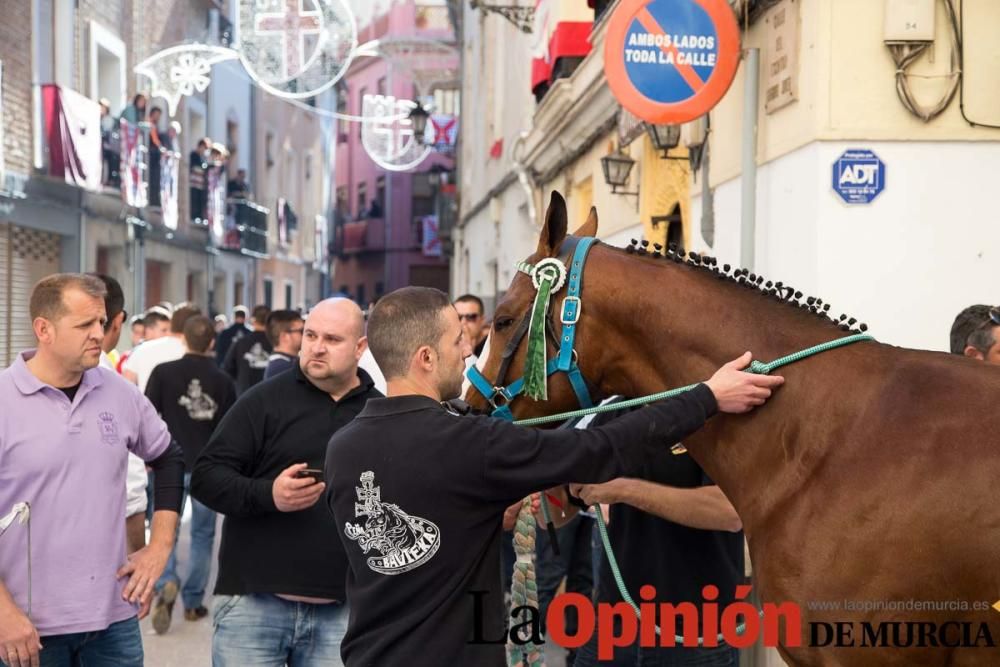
column 360, row 236
column 246, row 228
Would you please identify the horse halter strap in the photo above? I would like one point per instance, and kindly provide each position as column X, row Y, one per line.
column 548, row 277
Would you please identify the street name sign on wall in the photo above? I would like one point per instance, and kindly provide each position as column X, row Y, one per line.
column 671, row 61
column 858, row 176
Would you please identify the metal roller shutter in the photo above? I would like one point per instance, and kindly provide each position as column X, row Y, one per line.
column 28, row 257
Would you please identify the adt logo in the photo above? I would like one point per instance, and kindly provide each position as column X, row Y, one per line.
column 858, row 176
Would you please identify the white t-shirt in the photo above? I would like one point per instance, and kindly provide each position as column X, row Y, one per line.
column 135, row 475
column 368, row 365
column 151, row 354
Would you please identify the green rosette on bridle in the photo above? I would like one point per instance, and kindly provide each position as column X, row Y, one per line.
column 548, row 277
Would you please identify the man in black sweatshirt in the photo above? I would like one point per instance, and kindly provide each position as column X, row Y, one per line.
column 247, row 357
column 418, row 492
column 280, row 591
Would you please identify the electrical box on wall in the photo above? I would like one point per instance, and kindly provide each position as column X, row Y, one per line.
column 909, row 20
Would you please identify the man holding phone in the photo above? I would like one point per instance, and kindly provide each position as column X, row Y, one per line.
column 282, row 568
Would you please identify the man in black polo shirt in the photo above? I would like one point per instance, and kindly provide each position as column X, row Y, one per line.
column 246, row 359
column 280, row 592
column 284, row 330
column 418, row 492
column 670, row 527
column 192, row 395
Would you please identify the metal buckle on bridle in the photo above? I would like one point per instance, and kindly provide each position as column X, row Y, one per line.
column 500, row 392
column 576, row 312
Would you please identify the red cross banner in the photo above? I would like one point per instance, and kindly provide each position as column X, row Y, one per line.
column 133, row 165
column 431, row 240
column 443, row 132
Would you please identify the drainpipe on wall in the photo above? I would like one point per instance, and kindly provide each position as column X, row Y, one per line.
column 748, row 177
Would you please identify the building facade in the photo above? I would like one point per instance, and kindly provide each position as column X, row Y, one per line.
column 62, row 204
column 540, row 119
column 385, row 220
column 926, row 246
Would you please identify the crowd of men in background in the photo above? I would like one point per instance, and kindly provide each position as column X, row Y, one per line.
column 245, row 411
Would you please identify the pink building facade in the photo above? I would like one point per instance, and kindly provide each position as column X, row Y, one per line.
column 368, row 259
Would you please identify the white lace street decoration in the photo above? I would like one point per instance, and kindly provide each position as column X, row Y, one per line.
column 428, row 62
column 387, row 134
column 296, row 48
column 182, row 70
column 190, row 74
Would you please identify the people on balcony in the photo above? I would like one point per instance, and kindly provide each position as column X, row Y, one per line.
column 136, row 111
column 374, row 210
column 109, row 145
column 155, row 148
column 197, row 164
column 239, row 188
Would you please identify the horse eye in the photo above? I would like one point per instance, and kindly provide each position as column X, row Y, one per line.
column 502, row 323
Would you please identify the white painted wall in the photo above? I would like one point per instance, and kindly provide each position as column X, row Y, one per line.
column 622, row 237
column 229, row 98
column 905, row 264
column 494, row 249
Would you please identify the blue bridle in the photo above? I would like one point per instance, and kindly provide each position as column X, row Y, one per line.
column 500, row 397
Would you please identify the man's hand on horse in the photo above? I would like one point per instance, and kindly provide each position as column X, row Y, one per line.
column 737, row 391
column 292, row 493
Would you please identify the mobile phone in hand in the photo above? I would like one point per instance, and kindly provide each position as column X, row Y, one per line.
column 315, row 473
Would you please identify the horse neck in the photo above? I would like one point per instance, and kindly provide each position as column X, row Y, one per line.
column 668, row 325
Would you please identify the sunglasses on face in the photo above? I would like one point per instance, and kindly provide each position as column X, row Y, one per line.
column 468, row 317
column 296, row 331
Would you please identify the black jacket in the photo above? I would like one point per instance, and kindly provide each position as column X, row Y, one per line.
column 246, row 360
column 192, row 395
column 226, row 338
column 419, row 493
column 276, row 424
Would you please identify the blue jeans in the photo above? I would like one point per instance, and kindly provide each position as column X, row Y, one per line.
column 202, row 539
column 262, row 630
column 119, row 645
column 574, row 562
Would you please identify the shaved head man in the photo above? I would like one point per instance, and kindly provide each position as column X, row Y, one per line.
column 333, row 341
column 281, row 561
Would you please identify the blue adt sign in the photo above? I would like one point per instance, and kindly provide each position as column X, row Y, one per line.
column 858, row 176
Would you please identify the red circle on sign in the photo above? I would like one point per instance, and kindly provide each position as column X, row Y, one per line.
column 660, row 113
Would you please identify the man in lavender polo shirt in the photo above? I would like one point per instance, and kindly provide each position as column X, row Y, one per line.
column 66, row 428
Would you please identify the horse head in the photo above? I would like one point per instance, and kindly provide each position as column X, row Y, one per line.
column 508, row 339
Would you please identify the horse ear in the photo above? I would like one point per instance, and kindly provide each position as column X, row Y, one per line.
column 589, row 228
column 554, row 229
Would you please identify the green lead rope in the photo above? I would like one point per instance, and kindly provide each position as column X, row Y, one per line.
column 756, row 367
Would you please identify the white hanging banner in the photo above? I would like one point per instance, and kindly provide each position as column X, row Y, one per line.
column 169, row 168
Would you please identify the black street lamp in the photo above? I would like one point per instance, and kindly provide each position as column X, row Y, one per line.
column 665, row 137
column 418, row 120
column 616, row 167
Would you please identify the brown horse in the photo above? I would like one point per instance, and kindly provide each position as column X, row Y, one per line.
column 869, row 476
